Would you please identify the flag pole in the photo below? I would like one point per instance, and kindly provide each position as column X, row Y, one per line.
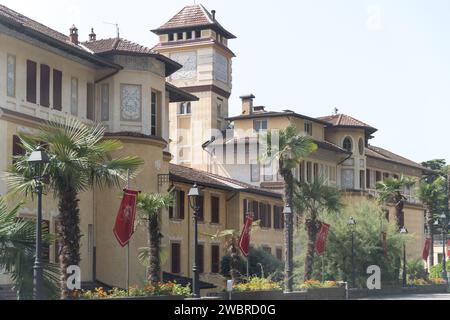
column 127, row 253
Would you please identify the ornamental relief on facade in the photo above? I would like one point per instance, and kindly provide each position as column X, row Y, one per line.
column 130, row 102
column 189, row 62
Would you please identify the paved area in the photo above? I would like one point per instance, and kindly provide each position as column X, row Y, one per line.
column 414, row 297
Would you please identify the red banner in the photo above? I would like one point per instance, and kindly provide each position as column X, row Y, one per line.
column 385, row 244
column 244, row 241
column 321, row 243
column 448, row 248
column 124, row 227
column 426, row 249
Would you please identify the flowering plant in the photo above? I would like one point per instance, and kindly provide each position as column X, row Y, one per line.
column 257, row 284
column 310, row 284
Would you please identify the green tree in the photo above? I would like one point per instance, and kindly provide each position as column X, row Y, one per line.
column 336, row 264
column 17, row 253
column 314, row 201
column 432, row 194
column 438, row 170
column 288, row 148
column 150, row 206
column 80, row 158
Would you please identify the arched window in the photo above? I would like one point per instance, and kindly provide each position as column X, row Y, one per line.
column 361, row 146
column 185, row 108
column 348, row 144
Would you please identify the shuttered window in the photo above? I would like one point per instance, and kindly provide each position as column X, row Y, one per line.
column 176, row 258
column 31, row 81
column 278, row 218
column 57, row 90
column 215, row 210
column 90, row 103
column 176, row 212
column 201, row 258
column 201, row 212
column 45, row 86
column 17, row 147
column 215, row 259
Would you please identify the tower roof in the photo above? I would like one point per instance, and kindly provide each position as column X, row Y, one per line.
column 345, row 121
column 192, row 17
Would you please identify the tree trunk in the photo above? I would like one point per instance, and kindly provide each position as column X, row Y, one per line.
column 68, row 235
column 154, row 237
column 234, row 262
column 430, row 224
column 311, row 228
column 288, row 229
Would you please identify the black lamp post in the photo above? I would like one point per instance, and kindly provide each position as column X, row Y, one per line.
column 352, row 226
column 195, row 195
column 443, row 222
column 37, row 160
column 404, row 231
column 289, row 263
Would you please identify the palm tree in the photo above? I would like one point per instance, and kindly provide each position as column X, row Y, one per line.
column 150, row 206
column 315, row 200
column 431, row 195
column 391, row 191
column 17, row 252
column 80, row 158
column 290, row 149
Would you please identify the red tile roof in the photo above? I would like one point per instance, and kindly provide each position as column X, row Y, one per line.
column 205, row 179
column 383, row 154
column 342, row 120
column 116, row 45
column 193, row 16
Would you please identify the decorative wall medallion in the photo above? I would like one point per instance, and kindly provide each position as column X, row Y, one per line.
column 131, row 102
column 11, row 76
column 189, row 62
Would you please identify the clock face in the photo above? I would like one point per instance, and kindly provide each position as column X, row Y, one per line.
column 130, row 102
column 189, row 62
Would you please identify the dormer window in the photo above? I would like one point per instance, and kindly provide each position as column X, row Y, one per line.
column 348, row 144
column 258, row 109
column 198, row 34
column 185, row 108
column 171, row 37
column 188, row 35
column 180, row 36
column 308, row 128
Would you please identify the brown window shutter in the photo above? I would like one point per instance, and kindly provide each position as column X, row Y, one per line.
column 181, row 199
column 201, row 213
column 90, row 101
column 57, row 90
column 245, row 209
column 269, row 216
column 215, row 259
column 201, row 258
column 215, row 207
column 256, row 211
column 176, row 263
column 45, row 86
column 31, row 81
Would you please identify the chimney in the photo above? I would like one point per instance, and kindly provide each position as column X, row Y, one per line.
column 213, row 15
column 74, row 35
column 247, row 104
column 92, row 35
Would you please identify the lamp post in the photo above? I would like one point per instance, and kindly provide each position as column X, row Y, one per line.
column 352, row 226
column 37, row 160
column 195, row 195
column 404, row 231
column 289, row 263
column 443, row 222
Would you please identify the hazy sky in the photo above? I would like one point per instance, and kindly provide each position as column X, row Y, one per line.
column 385, row 62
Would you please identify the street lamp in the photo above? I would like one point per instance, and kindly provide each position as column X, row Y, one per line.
column 443, row 222
column 195, row 196
column 37, row 160
column 289, row 235
column 352, row 226
column 404, row 231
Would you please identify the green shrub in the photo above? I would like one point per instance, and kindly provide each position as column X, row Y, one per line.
column 257, row 284
column 436, row 271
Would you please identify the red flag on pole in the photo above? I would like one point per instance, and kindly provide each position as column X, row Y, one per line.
column 244, row 241
column 385, row 244
column 448, row 248
column 124, row 227
column 321, row 243
column 426, row 249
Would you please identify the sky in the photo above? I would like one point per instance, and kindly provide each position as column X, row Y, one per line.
column 384, row 62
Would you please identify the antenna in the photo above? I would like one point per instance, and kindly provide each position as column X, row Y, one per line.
column 117, row 27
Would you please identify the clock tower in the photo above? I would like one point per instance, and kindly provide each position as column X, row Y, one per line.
column 196, row 40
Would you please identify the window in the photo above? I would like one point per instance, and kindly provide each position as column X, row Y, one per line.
column 361, row 146
column 57, row 90
column 104, row 89
column 316, row 172
column 215, row 210
column 45, row 86
column 348, row 144
column 201, row 212
column 154, row 108
column 180, row 36
column 362, row 179
column 185, row 108
column 176, row 212
column 268, row 172
column 11, row 76
column 215, row 258
column 189, row 35
column 219, row 108
column 74, row 97
column 255, row 172
column 260, row 126
column 348, row 179
column 17, row 150
column 280, row 254
column 308, row 128
column 90, row 102
column 265, row 215
column 198, row 34
column 379, row 176
column 31, row 81
column 385, row 176
column 255, row 207
column 171, row 37
column 309, row 172
column 278, row 218
column 267, row 249
column 301, row 174
column 368, row 179
column 176, row 258
column 201, row 258
column 332, row 174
